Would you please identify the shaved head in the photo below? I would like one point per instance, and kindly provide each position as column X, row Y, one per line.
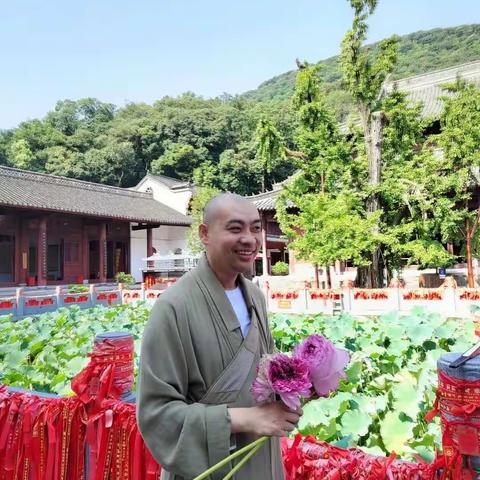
column 231, row 233
column 220, row 202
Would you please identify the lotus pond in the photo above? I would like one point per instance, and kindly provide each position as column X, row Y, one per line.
column 380, row 407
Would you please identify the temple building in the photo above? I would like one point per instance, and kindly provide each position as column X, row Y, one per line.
column 176, row 194
column 56, row 230
column 274, row 244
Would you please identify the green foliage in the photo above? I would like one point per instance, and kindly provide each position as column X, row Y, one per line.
column 380, row 406
column 364, row 74
column 391, row 378
column 43, row 353
column 456, row 169
column 419, row 52
column 179, row 160
column 318, row 137
column 188, row 137
column 77, row 288
column 21, row 154
column 125, row 278
column 409, row 225
column 270, row 148
column 209, row 140
column 201, row 197
column 280, row 268
column 332, row 228
column 328, row 222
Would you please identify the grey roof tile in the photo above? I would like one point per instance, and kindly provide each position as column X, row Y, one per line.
column 24, row 189
column 267, row 201
column 171, row 182
column 427, row 88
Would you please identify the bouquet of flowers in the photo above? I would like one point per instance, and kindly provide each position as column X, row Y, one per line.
column 314, row 370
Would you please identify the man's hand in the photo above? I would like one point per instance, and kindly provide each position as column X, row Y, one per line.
column 272, row 419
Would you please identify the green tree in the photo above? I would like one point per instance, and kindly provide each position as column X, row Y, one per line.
column 329, row 228
column 457, row 169
column 319, row 190
column 408, row 224
column 325, row 153
column 21, row 156
column 364, row 78
column 179, row 160
column 5, row 136
column 270, row 149
column 139, row 125
column 113, row 164
column 201, row 197
column 64, row 162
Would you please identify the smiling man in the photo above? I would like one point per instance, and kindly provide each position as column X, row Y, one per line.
column 200, row 351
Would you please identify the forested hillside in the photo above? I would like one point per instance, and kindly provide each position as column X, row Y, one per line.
column 210, row 141
column 188, row 137
column 419, row 52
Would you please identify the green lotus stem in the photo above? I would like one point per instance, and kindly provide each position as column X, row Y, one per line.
column 226, row 460
column 245, row 459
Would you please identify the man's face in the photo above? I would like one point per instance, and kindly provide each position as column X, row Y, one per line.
column 233, row 238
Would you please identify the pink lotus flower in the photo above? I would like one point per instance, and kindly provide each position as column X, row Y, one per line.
column 325, row 362
column 288, row 377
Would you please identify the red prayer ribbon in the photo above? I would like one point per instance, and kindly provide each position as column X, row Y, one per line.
column 309, row 459
column 461, row 436
column 45, row 438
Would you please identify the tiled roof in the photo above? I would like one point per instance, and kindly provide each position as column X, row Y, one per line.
column 427, row 88
column 170, row 182
column 265, row 201
column 24, row 189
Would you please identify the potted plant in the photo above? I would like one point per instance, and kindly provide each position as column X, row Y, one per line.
column 73, row 288
column 280, row 268
column 124, row 278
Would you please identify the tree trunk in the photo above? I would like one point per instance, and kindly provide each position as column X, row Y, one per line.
column 329, row 277
column 363, row 278
column 372, row 276
column 469, row 236
column 317, row 279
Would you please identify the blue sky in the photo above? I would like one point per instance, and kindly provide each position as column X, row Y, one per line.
column 124, row 50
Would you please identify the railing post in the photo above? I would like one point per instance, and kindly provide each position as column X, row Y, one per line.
column 58, row 294
column 18, row 297
column 91, row 292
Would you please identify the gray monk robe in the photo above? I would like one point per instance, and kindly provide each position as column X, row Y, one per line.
column 194, row 364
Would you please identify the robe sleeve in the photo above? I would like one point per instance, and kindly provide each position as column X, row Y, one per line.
column 270, row 341
column 184, row 438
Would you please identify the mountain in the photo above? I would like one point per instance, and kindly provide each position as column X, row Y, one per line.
column 419, row 52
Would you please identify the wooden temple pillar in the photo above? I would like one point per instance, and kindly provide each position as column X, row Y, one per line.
column 85, row 252
column 103, row 252
column 24, row 250
column 18, row 252
column 149, row 245
column 42, row 251
column 264, row 244
column 149, row 242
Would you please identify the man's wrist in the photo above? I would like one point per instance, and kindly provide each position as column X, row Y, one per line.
column 239, row 419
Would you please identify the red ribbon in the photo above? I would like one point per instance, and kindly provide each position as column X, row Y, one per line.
column 45, row 438
column 115, row 354
column 309, row 459
column 459, row 398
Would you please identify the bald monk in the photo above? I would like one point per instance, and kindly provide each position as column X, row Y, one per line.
column 199, row 355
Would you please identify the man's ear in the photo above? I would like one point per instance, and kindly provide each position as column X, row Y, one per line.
column 203, row 233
